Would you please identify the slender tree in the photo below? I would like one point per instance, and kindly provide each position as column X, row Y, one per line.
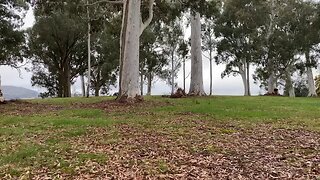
column 240, row 28
column 209, row 45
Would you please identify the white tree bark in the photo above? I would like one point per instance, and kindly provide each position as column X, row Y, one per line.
column 211, row 77
column 310, row 80
column 311, row 84
column 89, row 52
column 196, row 84
column 173, row 68
column 289, row 85
column 272, row 83
column 132, row 28
column 130, row 50
column 184, row 75
column 141, row 83
column 83, row 86
column 243, row 75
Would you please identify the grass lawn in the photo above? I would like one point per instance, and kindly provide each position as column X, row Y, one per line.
column 192, row 138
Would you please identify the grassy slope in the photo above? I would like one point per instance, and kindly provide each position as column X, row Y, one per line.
column 60, row 140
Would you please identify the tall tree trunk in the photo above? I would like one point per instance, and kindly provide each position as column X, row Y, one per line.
column 172, row 73
column 211, row 73
column 83, row 86
column 60, row 83
column 97, row 90
column 89, row 51
column 184, row 74
column 272, row 83
column 243, row 74
column 66, row 80
column 311, row 84
column 141, row 83
column 248, row 79
column 149, row 84
column 132, row 28
column 129, row 81
column 289, row 84
column 196, row 84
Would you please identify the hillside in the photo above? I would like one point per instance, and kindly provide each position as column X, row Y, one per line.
column 13, row 92
column 161, row 138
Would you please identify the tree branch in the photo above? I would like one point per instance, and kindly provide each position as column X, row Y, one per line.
column 145, row 24
column 105, row 1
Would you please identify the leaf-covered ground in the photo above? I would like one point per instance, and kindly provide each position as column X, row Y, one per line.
column 196, row 138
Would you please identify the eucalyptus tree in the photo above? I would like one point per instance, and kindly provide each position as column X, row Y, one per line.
column 12, row 40
column 198, row 9
column 240, row 29
column 173, row 43
column 308, row 37
column 209, row 41
column 55, row 39
column 152, row 60
column 105, row 56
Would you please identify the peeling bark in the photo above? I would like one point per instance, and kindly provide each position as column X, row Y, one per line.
column 196, row 85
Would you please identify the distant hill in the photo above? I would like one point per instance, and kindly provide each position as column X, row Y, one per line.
column 13, row 92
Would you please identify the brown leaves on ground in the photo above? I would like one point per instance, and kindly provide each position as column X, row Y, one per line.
column 183, row 147
column 203, row 152
column 20, row 108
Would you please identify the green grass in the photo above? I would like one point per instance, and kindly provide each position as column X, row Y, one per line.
column 297, row 111
column 42, row 139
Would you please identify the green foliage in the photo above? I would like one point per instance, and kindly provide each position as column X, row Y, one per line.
column 58, row 46
column 105, row 44
column 294, row 32
column 12, row 40
column 57, row 42
column 300, row 88
column 240, row 25
column 174, row 48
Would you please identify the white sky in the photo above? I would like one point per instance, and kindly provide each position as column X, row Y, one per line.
column 227, row 86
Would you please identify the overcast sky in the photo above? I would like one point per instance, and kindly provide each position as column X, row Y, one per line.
column 227, row 86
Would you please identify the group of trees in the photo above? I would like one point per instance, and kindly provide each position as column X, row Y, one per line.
column 279, row 38
column 142, row 40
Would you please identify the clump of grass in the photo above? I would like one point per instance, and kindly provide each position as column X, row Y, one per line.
column 163, row 167
column 95, row 157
